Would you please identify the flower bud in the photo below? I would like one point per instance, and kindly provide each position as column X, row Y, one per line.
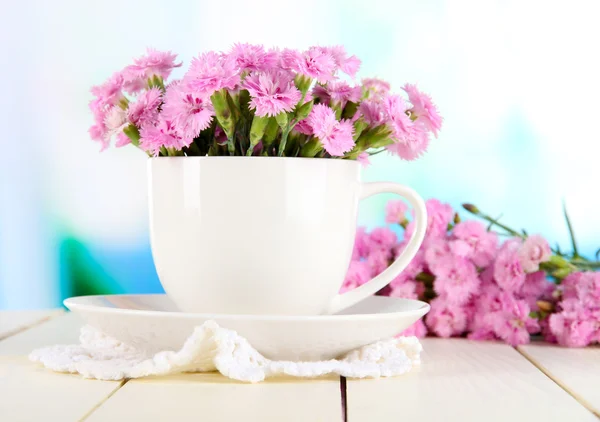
column 471, row 208
column 456, row 218
column 545, row 305
column 259, row 125
column 304, row 110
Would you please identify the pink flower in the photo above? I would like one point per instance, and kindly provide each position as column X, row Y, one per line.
column 481, row 244
column 409, row 274
column 211, row 72
column 513, row 323
column 395, row 211
column 314, row 63
column 190, row 112
column 358, row 274
column 456, row 281
column 535, row 287
column 363, row 158
column 335, row 136
column 446, row 320
column 418, row 329
column 159, row 63
column 375, row 88
column 362, row 244
column 574, row 326
column 508, row 271
column 407, row 290
column 272, row 92
column 348, row 65
column 382, row 238
column 250, row 57
column 337, row 92
column 410, row 140
column 144, row 111
column 304, row 127
column 373, row 112
column 588, row 289
column 424, row 109
column 439, row 216
column 109, row 93
column 534, row 251
column 164, row 134
column 378, row 260
column 438, row 255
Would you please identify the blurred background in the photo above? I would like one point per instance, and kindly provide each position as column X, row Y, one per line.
column 516, row 81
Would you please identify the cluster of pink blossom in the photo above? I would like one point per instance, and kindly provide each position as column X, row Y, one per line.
column 256, row 101
column 478, row 286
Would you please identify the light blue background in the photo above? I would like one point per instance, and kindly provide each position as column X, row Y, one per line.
column 516, row 81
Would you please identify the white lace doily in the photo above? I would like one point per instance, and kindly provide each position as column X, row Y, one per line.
column 211, row 348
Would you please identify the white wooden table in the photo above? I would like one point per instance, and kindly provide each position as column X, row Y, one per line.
column 458, row 380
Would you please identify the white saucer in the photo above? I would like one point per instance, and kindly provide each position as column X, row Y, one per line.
column 152, row 323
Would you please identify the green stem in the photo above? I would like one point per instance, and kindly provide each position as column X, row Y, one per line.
column 571, row 232
column 587, row 264
column 284, row 136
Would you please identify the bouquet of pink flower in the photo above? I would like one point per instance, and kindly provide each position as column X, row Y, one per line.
column 482, row 288
column 252, row 101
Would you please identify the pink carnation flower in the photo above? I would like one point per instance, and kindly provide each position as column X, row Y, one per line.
column 574, row 326
column 363, row 158
column 446, row 320
column 250, row 57
column 382, row 238
column 211, row 72
column 438, row 255
column 314, row 63
column 358, row 274
column 378, row 260
column 304, row 127
column 481, row 244
column 347, row 64
column 373, row 112
column 190, row 112
column 144, row 111
column 164, row 134
column 272, row 92
column 439, row 216
column 407, row 290
column 508, row 271
column 335, row 136
column 536, row 286
column 109, row 93
column 418, row 329
column 456, row 281
column 336, row 92
column 395, row 211
column 375, row 88
column 409, row 274
column 155, row 62
column 410, row 140
column 513, row 323
column 362, row 244
column 534, row 251
column 424, row 109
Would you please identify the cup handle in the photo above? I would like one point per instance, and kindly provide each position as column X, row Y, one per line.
column 345, row 300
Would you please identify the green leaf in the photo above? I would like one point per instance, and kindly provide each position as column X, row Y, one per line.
column 304, row 110
column 257, row 131
column 311, row 148
column 571, row 233
column 359, row 126
column 271, row 131
column 282, row 120
column 349, row 110
column 133, row 133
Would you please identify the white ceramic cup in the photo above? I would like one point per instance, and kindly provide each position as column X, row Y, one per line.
column 263, row 235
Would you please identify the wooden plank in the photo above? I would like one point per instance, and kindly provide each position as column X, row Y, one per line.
column 63, row 329
column 212, row 397
column 29, row 392
column 576, row 370
column 465, row 381
column 12, row 322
